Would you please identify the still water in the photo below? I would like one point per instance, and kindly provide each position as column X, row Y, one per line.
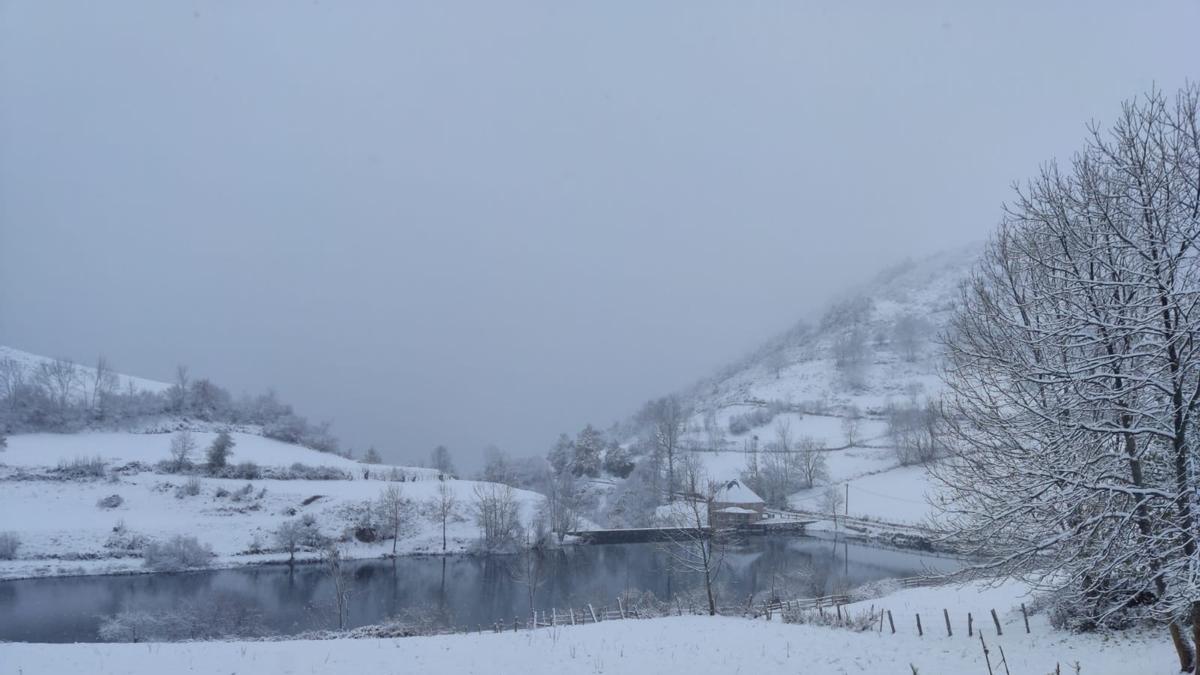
column 461, row 591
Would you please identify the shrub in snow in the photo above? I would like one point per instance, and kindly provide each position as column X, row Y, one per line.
column 9, row 543
column 242, row 492
column 295, row 535
column 300, row 471
column 225, row 616
column 178, row 553
column 125, row 540
column 81, row 468
column 110, row 502
column 617, row 461
column 189, row 489
column 247, row 471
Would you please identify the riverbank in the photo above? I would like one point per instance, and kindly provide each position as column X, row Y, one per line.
column 696, row 645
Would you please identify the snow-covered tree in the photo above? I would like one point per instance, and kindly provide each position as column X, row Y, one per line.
column 666, row 419
column 395, row 513
column 1074, row 376
column 440, row 459
column 851, row 421
column 589, row 446
column 562, row 454
column 617, row 460
column 372, row 456
column 183, row 444
column 219, row 451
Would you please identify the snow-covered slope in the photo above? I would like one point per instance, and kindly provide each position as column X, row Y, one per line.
column 31, row 363
column 52, row 486
column 872, row 348
column 64, row 530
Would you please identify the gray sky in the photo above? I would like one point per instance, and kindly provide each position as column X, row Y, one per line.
column 489, row 222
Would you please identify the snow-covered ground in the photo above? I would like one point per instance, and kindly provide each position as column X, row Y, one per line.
column 697, row 645
column 64, row 531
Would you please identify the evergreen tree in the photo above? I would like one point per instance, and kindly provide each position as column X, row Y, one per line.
column 440, row 460
column 220, row 450
column 588, row 447
column 561, row 455
column 372, row 456
column 617, row 461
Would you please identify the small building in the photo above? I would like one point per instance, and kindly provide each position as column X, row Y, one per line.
column 735, row 505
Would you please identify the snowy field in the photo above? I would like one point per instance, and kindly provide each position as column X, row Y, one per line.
column 697, row 645
column 69, row 534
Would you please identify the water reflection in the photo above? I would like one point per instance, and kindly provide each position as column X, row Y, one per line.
column 464, row 591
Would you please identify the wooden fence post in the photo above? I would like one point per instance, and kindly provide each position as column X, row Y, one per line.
column 996, row 620
column 881, row 620
column 986, row 658
column 1025, row 616
column 946, row 613
column 970, row 625
column 891, row 623
column 593, row 613
column 919, row 631
column 514, row 624
column 572, row 610
column 621, row 606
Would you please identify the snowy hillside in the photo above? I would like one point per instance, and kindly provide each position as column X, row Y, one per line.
column 238, row 517
column 87, row 373
column 871, row 352
column 102, row 496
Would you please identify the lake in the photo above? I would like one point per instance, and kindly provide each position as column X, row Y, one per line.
column 458, row 590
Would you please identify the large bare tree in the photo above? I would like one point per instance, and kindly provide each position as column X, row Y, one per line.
column 1074, row 373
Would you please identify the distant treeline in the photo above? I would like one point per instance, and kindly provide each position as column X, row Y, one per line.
column 58, row 395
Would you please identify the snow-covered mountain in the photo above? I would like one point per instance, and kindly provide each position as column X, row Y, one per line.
column 871, row 350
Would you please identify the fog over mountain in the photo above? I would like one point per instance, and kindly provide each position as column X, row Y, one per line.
column 435, row 225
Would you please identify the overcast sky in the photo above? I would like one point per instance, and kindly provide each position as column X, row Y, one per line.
column 488, row 222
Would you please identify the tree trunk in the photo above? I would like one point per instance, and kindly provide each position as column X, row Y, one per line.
column 1187, row 658
column 712, row 604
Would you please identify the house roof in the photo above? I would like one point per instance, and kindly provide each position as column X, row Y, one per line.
column 737, row 510
column 734, row 492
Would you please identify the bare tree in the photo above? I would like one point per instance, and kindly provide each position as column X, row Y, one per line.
column 103, row 382
column 851, row 421
column 1073, row 375
column 814, row 466
column 183, row 444
column 443, row 505
column 372, row 456
column 497, row 513
column 908, row 334
column 331, row 559
column 178, row 393
column 395, row 513
column 497, row 467
column 667, row 421
column 289, row 536
column 59, row 377
column 833, row 500
column 528, row 570
column 691, row 544
column 440, row 459
column 562, row 506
